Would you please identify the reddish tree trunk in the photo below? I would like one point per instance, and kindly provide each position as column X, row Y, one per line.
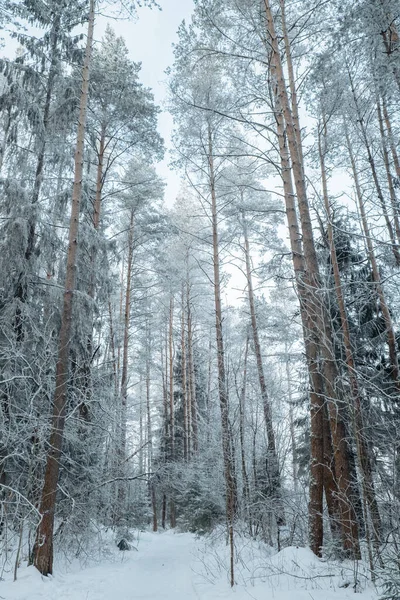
column 358, row 421
column 311, row 347
column 315, row 306
column 43, row 550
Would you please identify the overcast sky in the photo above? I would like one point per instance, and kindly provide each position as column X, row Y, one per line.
column 150, row 41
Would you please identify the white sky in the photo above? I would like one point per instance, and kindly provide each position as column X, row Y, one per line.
column 150, row 40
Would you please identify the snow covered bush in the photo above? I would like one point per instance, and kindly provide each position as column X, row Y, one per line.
column 390, row 578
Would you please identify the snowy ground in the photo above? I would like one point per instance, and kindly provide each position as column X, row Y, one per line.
column 172, row 566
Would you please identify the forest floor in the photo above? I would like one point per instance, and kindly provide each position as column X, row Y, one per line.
column 172, row 566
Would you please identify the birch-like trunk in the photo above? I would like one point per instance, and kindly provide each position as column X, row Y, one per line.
column 374, row 172
column 172, row 512
column 183, row 371
column 272, row 461
column 391, row 336
column 191, row 373
column 242, row 403
column 392, row 144
column 121, row 458
column 222, row 384
column 291, row 422
column 386, row 161
column 152, row 485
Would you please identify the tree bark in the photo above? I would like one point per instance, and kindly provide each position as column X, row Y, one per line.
column 222, row 389
column 242, row 402
column 318, row 314
column 124, row 375
column 99, row 180
column 7, row 126
column 152, row 486
column 316, row 491
column 292, row 82
column 392, row 145
column 43, row 551
column 165, row 390
column 330, row 487
column 356, row 408
column 171, row 378
column 164, row 511
column 183, row 370
column 272, row 461
column 392, row 193
column 192, row 374
column 172, row 513
column 291, row 422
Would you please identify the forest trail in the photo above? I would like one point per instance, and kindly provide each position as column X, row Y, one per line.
column 172, row 566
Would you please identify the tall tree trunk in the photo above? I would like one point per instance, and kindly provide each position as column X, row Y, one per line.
column 291, row 422
column 165, row 391
column 152, row 486
column 112, row 344
column 166, row 421
column 124, row 375
column 242, row 402
column 183, row 371
column 392, row 145
column 7, row 126
column 292, row 82
column 191, row 373
column 43, row 551
column 273, row 463
column 172, row 513
column 391, row 337
column 311, row 347
column 171, row 377
column 85, row 366
column 121, row 311
column 318, row 315
column 330, row 487
column 356, row 408
column 164, row 511
column 209, row 379
column 141, row 427
column 99, row 179
column 392, row 193
column 189, row 411
column 222, row 387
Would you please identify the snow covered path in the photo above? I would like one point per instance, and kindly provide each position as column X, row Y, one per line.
column 173, row 567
